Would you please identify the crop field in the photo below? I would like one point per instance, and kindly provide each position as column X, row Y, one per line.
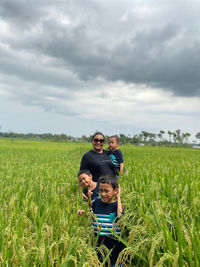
column 39, row 199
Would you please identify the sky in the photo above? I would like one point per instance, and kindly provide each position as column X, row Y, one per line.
column 117, row 66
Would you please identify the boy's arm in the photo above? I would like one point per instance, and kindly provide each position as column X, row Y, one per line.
column 121, row 170
column 90, row 193
column 120, row 160
column 119, row 204
column 85, row 197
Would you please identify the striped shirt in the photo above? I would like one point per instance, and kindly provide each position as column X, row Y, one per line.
column 116, row 157
column 104, row 222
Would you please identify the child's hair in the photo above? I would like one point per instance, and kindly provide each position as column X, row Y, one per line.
column 116, row 138
column 109, row 179
column 84, row 171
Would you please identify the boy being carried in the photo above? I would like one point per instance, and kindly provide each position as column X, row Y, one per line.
column 107, row 211
column 115, row 154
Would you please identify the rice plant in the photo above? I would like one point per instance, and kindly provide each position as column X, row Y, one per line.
column 39, row 225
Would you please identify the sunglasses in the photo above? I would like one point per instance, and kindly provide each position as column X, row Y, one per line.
column 96, row 140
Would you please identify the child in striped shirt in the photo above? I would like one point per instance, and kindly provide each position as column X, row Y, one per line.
column 107, row 211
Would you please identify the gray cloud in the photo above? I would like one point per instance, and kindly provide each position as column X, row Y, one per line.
column 155, row 44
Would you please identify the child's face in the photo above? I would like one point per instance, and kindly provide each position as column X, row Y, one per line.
column 85, row 179
column 107, row 192
column 113, row 144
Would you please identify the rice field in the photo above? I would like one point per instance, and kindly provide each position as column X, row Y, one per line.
column 39, row 198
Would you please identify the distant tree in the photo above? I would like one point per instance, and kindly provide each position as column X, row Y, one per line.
column 170, row 136
column 122, row 138
column 177, row 136
column 152, row 137
column 185, row 137
column 141, row 137
column 136, row 139
column 197, row 136
column 84, row 138
column 160, row 135
column 174, row 137
column 145, row 136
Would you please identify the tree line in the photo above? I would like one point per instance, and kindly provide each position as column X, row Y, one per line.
column 168, row 138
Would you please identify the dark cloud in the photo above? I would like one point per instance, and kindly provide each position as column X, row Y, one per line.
column 33, row 72
column 153, row 44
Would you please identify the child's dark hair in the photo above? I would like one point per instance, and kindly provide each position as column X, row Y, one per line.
column 84, row 171
column 116, row 137
column 109, row 179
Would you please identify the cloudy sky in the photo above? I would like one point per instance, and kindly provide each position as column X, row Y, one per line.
column 119, row 66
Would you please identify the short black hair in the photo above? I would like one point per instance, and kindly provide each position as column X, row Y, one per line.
column 109, row 179
column 84, row 171
column 98, row 133
column 116, row 137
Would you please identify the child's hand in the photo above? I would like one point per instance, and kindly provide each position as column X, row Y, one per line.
column 118, row 192
column 84, row 196
column 80, row 212
column 90, row 193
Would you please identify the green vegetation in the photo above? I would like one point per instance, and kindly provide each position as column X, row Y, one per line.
column 176, row 138
column 39, row 225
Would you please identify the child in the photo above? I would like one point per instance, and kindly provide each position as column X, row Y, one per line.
column 107, row 212
column 91, row 187
column 115, row 154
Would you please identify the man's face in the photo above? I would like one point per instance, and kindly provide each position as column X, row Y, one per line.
column 107, row 192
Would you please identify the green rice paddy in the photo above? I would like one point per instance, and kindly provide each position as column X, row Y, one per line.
column 39, row 198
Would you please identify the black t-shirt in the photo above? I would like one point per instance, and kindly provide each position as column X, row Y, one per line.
column 95, row 192
column 97, row 163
